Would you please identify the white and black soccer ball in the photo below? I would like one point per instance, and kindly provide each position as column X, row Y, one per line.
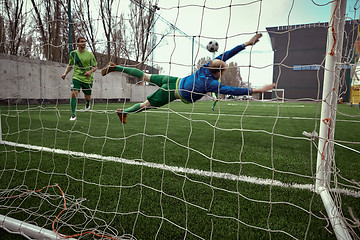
column 212, row 46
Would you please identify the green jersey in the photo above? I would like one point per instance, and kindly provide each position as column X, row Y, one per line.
column 82, row 63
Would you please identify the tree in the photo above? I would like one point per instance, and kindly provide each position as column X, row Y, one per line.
column 201, row 62
column 129, row 39
column 51, row 24
column 14, row 23
column 121, row 39
column 230, row 77
column 107, row 21
column 86, row 26
column 115, row 30
column 141, row 23
column 2, row 35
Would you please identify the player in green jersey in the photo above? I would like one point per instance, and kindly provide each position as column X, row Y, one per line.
column 215, row 98
column 85, row 65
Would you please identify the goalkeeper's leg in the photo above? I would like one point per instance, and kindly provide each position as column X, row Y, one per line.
column 138, row 107
column 164, row 95
column 213, row 106
column 159, row 80
column 112, row 67
column 215, row 98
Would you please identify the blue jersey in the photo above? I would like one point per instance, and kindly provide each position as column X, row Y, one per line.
column 195, row 86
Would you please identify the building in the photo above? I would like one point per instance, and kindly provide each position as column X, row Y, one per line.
column 299, row 58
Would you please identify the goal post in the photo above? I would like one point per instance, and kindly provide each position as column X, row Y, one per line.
column 325, row 153
column 278, row 94
column 15, row 226
column 180, row 171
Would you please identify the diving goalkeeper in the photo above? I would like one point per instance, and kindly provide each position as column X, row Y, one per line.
column 189, row 89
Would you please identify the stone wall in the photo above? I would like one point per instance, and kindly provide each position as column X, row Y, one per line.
column 23, row 79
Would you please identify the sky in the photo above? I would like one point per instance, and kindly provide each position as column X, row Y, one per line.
column 231, row 26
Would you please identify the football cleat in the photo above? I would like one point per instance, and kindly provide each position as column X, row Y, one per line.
column 110, row 67
column 122, row 115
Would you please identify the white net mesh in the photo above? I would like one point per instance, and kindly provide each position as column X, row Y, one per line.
column 245, row 170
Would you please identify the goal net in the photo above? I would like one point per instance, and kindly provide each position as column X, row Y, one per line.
column 247, row 170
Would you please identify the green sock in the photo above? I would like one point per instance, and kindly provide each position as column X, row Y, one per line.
column 73, row 106
column 214, row 103
column 87, row 103
column 134, row 108
column 132, row 71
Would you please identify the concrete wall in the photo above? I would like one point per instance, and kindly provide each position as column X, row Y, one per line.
column 139, row 93
column 24, row 78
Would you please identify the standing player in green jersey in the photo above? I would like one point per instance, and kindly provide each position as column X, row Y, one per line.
column 85, row 65
column 215, row 98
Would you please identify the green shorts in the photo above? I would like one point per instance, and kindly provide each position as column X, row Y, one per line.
column 76, row 85
column 166, row 92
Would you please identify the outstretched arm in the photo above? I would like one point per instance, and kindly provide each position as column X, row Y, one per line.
column 263, row 88
column 237, row 91
column 229, row 54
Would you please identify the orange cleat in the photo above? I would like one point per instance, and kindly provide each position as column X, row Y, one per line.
column 110, row 67
column 122, row 115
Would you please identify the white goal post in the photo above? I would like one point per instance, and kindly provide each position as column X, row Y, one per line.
column 223, row 175
column 15, row 226
column 325, row 153
column 279, row 95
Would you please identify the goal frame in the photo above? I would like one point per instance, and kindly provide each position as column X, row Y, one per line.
column 325, row 153
column 282, row 98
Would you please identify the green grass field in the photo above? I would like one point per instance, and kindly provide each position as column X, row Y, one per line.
column 147, row 198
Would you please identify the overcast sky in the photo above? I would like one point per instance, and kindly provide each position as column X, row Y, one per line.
column 231, row 26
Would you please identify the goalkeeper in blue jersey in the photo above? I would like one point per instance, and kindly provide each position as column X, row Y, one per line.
column 189, row 89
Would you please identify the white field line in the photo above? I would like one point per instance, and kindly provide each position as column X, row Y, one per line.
column 255, row 116
column 227, row 176
column 163, row 110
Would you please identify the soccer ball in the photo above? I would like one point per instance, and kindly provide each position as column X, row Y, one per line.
column 212, row 46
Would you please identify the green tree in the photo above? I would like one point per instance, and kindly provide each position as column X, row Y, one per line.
column 230, row 77
column 52, row 26
column 13, row 30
